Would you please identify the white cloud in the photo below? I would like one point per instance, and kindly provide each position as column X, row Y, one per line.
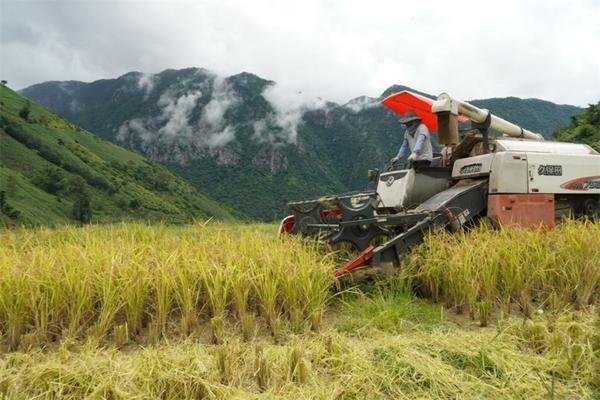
column 220, row 139
column 221, row 100
column 212, row 122
column 176, row 111
column 289, row 106
column 135, row 127
column 362, row 103
column 174, row 124
column 146, row 83
column 337, row 50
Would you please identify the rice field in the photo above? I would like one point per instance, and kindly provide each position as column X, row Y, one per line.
column 142, row 283
column 230, row 311
column 510, row 270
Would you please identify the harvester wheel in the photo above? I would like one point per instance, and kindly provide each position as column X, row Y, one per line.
column 359, row 235
column 305, row 216
column 591, row 209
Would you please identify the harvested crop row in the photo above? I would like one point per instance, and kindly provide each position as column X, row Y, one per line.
column 141, row 282
column 560, row 360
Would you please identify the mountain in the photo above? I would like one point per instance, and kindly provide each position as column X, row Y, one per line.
column 245, row 140
column 584, row 128
column 53, row 172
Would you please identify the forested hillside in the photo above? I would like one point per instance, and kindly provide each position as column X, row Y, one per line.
column 53, row 172
column 247, row 142
column 584, row 128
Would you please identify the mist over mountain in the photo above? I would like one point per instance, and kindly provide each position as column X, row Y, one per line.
column 248, row 141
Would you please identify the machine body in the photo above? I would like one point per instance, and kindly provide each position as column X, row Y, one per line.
column 514, row 179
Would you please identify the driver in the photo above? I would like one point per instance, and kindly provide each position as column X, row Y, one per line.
column 416, row 141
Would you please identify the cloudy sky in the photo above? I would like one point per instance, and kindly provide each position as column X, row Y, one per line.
column 334, row 49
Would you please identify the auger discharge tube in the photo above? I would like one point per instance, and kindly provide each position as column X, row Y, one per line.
column 445, row 102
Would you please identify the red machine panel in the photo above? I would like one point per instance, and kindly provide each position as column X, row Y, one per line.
column 525, row 210
column 405, row 101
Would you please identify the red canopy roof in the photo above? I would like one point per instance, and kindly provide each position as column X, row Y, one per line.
column 405, row 101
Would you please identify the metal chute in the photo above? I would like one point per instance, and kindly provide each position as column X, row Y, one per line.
column 446, row 103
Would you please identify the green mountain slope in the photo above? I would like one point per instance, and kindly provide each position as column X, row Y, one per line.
column 170, row 123
column 53, row 172
column 239, row 140
column 584, row 128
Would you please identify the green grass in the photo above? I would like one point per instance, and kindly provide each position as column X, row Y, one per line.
column 389, row 306
column 120, row 184
column 25, row 194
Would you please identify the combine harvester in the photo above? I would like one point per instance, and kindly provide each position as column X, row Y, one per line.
column 513, row 179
